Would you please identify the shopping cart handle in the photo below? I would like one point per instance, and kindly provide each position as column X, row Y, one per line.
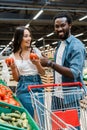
column 70, row 84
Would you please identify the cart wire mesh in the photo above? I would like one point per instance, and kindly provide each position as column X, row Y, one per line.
column 59, row 113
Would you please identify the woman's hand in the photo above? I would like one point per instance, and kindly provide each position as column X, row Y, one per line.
column 35, row 61
column 10, row 63
column 33, row 56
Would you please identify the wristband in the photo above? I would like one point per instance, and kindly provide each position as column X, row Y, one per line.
column 50, row 63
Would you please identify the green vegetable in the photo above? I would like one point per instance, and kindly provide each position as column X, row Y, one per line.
column 25, row 123
column 19, row 123
column 4, row 117
column 3, row 122
column 23, row 115
column 18, row 112
column 13, row 115
column 15, row 119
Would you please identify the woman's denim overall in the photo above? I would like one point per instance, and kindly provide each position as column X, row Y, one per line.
column 24, row 95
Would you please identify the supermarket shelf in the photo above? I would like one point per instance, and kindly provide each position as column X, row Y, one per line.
column 47, row 79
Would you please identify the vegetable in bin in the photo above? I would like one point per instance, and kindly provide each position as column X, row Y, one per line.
column 6, row 95
column 15, row 119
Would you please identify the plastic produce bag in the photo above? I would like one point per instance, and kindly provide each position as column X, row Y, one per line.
column 38, row 52
column 5, row 75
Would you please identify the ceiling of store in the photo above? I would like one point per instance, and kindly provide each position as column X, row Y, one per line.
column 15, row 13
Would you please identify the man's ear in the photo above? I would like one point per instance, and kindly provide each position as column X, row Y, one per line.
column 70, row 25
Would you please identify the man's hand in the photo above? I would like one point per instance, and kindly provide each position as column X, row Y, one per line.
column 44, row 61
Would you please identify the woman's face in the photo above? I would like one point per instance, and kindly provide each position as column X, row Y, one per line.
column 26, row 41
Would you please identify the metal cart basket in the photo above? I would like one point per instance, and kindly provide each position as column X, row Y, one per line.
column 61, row 109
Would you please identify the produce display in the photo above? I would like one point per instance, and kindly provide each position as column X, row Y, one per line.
column 15, row 119
column 6, row 95
column 13, row 116
column 3, row 82
column 85, row 74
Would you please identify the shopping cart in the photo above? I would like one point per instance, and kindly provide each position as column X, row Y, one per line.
column 60, row 112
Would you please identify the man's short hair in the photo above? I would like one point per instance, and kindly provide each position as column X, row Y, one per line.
column 64, row 14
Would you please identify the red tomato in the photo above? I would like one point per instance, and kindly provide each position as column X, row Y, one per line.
column 2, row 93
column 9, row 92
column 17, row 104
column 9, row 61
column 0, row 98
column 33, row 56
column 6, row 100
column 6, row 97
column 12, row 101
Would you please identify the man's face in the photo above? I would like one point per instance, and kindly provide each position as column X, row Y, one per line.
column 62, row 28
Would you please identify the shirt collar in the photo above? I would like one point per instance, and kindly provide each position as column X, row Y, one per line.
column 68, row 40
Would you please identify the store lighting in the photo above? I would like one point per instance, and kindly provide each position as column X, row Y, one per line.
column 27, row 25
column 9, row 43
column 40, row 39
column 51, row 49
column 3, row 46
column 83, row 18
column 54, row 43
column 46, row 50
column 50, row 34
column 79, row 35
column 41, row 47
column 85, row 40
column 47, row 45
column 38, row 14
column 33, row 42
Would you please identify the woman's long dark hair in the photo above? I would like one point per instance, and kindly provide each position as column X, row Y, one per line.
column 18, row 36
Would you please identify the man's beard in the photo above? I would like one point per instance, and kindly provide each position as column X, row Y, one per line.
column 63, row 37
